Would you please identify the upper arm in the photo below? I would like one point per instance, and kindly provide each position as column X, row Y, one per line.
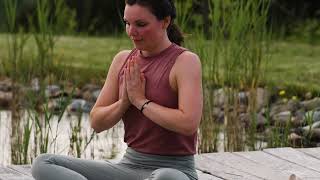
column 110, row 91
column 188, row 75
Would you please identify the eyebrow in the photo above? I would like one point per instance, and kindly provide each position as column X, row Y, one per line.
column 138, row 20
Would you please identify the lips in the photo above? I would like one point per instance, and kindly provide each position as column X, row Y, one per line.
column 136, row 41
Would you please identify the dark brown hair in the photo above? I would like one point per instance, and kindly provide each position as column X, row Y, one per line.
column 162, row 9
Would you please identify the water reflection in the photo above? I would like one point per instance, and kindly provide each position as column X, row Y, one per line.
column 105, row 145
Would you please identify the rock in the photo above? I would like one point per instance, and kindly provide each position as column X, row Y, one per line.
column 57, row 105
column 5, row 85
column 298, row 118
column 278, row 108
column 79, row 106
column 295, row 140
column 311, row 104
column 90, row 92
column 53, row 91
column 315, row 134
column 291, row 105
column 90, row 87
column 242, row 108
column 96, row 94
column 312, row 116
column 282, row 118
column 219, row 97
column 243, row 98
column 5, row 99
column 247, row 119
column 73, row 92
column 218, row 115
column 263, row 97
column 35, row 85
column 308, row 96
column 306, row 129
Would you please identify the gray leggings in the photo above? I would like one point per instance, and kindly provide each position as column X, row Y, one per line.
column 133, row 166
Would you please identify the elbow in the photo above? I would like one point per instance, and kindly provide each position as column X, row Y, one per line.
column 189, row 131
column 191, row 124
column 190, row 128
column 94, row 124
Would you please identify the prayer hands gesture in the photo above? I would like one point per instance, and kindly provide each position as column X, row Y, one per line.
column 134, row 83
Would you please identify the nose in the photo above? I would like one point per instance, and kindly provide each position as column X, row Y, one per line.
column 131, row 30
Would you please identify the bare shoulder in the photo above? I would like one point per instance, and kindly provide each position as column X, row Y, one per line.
column 120, row 57
column 188, row 60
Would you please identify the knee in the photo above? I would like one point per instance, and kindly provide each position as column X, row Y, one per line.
column 39, row 162
column 168, row 174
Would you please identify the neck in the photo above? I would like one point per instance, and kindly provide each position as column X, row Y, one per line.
column 157, row 48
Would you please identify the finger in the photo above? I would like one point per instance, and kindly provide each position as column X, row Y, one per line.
column 125, row 77
column 132, row 70
column 143, row 79
column 126, row 74
column 136, row 69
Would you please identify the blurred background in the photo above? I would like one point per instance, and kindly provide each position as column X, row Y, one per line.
column 261, row 69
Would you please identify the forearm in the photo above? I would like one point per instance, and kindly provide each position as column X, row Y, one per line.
column 172, row 119
column 105, row 117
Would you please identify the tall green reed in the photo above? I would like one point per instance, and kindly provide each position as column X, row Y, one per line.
column 49, row 21
column 183, row 8
column 241, row 37
column 79, row 141
column 16, row 41
column 209, row 128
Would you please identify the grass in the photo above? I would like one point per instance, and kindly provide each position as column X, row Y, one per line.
column 293, row 64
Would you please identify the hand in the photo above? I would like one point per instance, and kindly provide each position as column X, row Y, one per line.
column 136, row 82
column 123, row 92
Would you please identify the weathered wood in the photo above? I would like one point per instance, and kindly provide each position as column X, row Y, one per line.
column 23, row 169
column 265, row 159
column 220, row 170
column 273, row 164
column 205, row 176
column 296, row 157
column 250, row 167
column 11, row 174
column 314, row 152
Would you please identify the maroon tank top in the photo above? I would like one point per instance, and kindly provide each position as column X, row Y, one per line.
column 142, row 134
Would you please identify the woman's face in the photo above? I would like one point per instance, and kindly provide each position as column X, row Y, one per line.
column 143, row 28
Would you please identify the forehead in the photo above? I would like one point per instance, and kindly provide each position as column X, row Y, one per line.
column 137, row 12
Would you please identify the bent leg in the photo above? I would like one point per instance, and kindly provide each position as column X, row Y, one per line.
column 168, row 174
column 52, row 167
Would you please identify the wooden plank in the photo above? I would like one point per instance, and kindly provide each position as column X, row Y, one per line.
column 10, row 174
column 296, row 157
column 250, row 167
column 204, row 176
column 274, row 162
column 15, row 178
column 23, row 169
column 220, row 170
column 314, row 152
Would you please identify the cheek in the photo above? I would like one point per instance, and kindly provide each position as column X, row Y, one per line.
column 149, row 33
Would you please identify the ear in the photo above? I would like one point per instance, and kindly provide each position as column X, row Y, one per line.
column 166, row 22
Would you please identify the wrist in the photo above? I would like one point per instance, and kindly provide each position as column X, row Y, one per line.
column 124, row 105
column 139, row 102
column 144, row 105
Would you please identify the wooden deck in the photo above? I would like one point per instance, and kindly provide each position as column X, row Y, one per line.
column 273, row 164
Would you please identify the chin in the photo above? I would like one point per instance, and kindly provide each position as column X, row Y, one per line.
column 139, row 46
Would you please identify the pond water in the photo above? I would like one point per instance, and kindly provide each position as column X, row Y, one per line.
column 106, row 145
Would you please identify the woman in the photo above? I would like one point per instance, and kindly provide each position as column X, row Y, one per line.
column 156, row 90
